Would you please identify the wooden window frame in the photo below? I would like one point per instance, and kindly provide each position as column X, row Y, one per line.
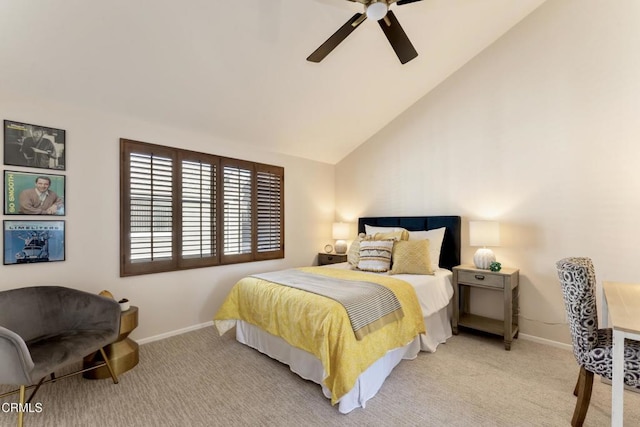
column 270, row 195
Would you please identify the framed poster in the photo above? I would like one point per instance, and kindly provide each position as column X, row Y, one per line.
column 33, row 146
column 33, row 194
column 28, row 242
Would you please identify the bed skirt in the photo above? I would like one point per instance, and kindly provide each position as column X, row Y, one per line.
column 369, row 382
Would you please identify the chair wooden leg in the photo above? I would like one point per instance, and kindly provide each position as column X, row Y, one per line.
column 22, row 403
column 577, row 387
column 585, row 385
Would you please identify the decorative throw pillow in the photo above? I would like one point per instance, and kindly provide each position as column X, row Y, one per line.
column 371, row 230
column 435, row 236
column 411, row 257
column 375, row 255
column 353, row 255
column 392, row 235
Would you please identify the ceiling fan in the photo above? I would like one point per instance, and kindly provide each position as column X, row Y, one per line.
column 378, row 10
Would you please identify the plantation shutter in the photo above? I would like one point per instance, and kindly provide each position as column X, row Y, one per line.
column 149, row 210
column 182, row 209
column 270, row 212
column 198, row 211
column 237, row 199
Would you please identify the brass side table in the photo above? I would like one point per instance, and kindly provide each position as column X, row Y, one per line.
column 123, row 354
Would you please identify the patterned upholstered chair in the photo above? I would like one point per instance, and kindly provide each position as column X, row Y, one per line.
column 592, row 347
column 45, row 328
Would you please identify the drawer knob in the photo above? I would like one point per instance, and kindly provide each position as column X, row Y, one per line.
column 479, row 276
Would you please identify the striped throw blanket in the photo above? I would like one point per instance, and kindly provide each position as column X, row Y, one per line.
column 369, row 305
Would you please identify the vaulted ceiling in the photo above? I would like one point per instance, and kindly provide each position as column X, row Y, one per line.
column 237, row 69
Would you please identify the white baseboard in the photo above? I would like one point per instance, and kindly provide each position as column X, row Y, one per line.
column 546, row 341
column 174, row 333
column 210, row 323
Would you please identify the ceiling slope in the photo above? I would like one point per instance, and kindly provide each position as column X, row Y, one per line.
column 237, row 69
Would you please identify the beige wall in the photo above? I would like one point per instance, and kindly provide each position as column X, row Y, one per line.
column 541, row 132
column 168, row 301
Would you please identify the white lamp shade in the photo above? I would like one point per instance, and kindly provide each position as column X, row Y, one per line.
column 484, row 233
column 340, row 230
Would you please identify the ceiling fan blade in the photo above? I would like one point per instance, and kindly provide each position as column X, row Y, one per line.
column 398, row 38
column 401, row 2
column 337, row 38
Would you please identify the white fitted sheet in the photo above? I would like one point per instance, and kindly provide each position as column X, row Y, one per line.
column 434, row 293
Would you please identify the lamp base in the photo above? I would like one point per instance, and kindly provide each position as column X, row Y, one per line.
column 340, row 247
column 483, row 258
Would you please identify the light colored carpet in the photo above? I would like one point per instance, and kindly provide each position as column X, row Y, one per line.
column 201, row 379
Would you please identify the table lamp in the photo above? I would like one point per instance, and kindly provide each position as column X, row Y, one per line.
column 484, row 233
column 340, row 233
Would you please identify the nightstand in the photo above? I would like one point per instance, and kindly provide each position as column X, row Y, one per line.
column 504, row 281
column 324, row 258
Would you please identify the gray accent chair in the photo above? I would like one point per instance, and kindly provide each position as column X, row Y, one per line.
column 592, row 347
column 45, row 328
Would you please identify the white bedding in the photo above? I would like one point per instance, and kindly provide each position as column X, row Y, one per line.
column 434, row 293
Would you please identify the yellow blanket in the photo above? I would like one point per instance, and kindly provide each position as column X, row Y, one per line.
column 320, row 325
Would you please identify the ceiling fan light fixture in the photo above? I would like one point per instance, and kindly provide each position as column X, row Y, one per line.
column 377, row 10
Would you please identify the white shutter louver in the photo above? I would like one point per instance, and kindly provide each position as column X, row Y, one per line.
column 269, row 212
column 237, row 197
column 151, row 202
column 198, row 209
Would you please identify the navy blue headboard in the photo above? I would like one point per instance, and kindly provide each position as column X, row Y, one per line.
column 450, row 253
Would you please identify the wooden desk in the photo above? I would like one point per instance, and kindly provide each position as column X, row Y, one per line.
column 123, row 354
column 623, row 306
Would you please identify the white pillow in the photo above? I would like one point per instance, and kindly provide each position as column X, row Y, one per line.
column 435, row 236
column 371, row 230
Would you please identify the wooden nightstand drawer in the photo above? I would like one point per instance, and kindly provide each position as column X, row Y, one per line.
column 481, row 279
column 324, row 259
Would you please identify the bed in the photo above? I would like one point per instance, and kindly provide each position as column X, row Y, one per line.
column 349, row 369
